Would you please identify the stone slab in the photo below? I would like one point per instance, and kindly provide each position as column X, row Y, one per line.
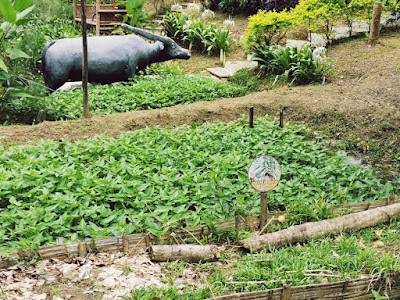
column 219, row 72
column 296, row 43
column 234, row 66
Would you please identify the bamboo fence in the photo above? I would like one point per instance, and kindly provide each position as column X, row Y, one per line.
column 140, row 242
column 387, row 285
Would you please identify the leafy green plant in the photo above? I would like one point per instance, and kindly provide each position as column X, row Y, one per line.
column 297, row 66
column 158, row 179
column 174, row 24
column 266, row 29
column 198, row 34
column 142, row 93
column 134, row 9
column 222, row 40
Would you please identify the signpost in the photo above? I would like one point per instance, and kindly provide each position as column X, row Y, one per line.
column 264, row 175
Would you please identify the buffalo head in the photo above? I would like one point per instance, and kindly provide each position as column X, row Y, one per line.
column 171, row 49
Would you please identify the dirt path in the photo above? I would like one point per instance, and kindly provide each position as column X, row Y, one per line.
column 362, row 99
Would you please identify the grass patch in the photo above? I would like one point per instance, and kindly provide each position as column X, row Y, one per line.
column 344, row 257
column 141, row 94
column 157, row 179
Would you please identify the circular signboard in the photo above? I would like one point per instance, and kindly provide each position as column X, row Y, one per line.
column 264, row 173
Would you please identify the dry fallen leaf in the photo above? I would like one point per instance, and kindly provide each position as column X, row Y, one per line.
column 378, row 232
column 378, row 243
column 335, row 255
column 361, row 244
column 282, row 218
column 325, row 280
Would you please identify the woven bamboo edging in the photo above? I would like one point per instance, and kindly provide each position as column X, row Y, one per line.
column 142, row 241
column 358, row 289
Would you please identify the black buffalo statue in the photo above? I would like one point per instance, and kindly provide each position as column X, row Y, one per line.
column 110, row 58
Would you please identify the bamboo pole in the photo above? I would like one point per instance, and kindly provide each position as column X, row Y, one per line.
column 189, row 253
column 314, row 230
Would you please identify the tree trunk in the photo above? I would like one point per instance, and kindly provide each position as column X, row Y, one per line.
column 376, row 23
column 301, row 233
column 189, row 253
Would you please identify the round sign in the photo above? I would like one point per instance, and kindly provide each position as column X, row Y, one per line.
column 264, row 173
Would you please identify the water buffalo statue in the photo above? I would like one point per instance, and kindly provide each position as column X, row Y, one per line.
column 110, row 58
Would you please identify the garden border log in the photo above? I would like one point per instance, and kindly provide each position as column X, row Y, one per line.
column 313, row 230
column 187, row 252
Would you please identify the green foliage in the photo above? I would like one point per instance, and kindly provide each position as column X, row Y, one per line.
column 198, row 34
column 392, row 6
column 266, row 29
column 167, row 178
column 170, row 293
column 134, row 10
column 52, row 9
column 232, row 7
column 174, row 25
column 318, row 15
column 343, row 257
column 143, row 93
column 25, row 44
column 296, row 66
column 248, row 78
column 170, row 67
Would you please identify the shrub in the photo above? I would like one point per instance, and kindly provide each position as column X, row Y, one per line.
column 266, row 28
column 318, row 15
column 297, row 66
column 358, row 9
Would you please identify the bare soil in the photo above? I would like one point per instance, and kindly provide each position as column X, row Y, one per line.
column 360, row 102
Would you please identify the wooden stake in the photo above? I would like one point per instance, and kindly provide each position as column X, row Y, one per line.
column 281, row 118
column 74, row 10
column 125, row 242
column 287, row 289
column 97, row 17
column 264, row 210
column 375, row 23
column 85, row 73
column 251, row 123
column 82, row 249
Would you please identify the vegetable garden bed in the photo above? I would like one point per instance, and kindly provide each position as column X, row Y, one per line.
column 137, row 183
column 142, row 93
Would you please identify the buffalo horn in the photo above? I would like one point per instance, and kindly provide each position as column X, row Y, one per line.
column 148, row 35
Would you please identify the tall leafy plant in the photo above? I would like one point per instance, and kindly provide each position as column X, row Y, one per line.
column 296, row 66
column 14, row 14
column 134, row 9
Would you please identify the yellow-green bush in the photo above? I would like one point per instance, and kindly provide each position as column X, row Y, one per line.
column 318, row 15
column 266, row 28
